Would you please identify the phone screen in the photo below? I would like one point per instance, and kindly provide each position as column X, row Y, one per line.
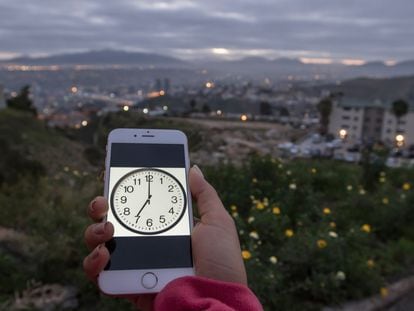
column 148, row 206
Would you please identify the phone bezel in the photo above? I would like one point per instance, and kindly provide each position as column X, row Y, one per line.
column 126, row 282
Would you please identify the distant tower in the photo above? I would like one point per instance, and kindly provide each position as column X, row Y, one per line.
column 166, row 85
column 2, row 100
column 158, row 86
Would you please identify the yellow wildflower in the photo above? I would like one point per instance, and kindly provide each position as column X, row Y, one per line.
column 384, row 292
column 313, row 170
column 233, row 208
column 292, row 186
column 326, row 210
column 332, row 224
column 366, row 228
column 406, row 186
column 385, row 201
column 273, row 259
column 246, row 255
column 254, row 180
column 235, row 214
column 322, row 243
column 260, row 205
column 362, row 191
column 349, row 187
column 289, row 233
column 370, row 263
column 276, row 210
column 382, row 179
column 250, row 219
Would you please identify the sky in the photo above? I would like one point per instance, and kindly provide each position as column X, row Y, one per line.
column 324, row 31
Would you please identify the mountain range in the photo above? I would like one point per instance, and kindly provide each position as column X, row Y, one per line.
column 250, row 66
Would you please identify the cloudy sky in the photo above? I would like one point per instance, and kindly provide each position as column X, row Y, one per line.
column 314, row 30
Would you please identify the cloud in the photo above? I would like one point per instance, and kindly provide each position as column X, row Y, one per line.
column 334, row 29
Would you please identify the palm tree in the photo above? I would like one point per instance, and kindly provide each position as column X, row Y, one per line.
column 399, row 109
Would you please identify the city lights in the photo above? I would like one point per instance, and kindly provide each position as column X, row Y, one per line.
column 162, row 93
column 243, row 117
column 145, row 110
column 125, row 108
column 209, row 85
column 74, row 89
column 219, row 112
column 84, row 123
column 165, row 108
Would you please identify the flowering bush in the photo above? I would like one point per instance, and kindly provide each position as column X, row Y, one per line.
column 311, row 235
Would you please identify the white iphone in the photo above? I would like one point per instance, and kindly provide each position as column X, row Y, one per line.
column 146, row 184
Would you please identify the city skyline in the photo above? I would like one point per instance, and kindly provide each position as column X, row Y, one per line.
column 319, row 32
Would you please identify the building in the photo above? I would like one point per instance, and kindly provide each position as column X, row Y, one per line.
column 2, row 99
column 367, row 121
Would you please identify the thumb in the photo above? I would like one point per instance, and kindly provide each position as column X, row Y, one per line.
column 204, row 194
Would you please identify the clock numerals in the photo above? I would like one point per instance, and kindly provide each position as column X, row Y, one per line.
column 129, row 189
column 148, row 201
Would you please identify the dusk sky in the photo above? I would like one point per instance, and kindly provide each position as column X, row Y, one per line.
column 348, row 31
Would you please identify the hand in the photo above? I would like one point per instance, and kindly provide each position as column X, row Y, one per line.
column 216, row 260
column 145, row 204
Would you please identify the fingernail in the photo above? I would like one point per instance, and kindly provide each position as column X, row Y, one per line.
column 95, row 253
column 99, row 228
column 93, row 205
column 197, row 170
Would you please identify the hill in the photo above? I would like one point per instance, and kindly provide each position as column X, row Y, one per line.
column 103, row 57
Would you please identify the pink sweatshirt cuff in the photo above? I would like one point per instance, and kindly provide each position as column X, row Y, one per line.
column 198, row 293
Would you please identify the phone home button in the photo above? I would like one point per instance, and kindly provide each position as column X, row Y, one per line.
column 149, row 280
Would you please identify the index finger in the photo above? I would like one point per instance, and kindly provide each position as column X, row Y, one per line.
column 98, row 208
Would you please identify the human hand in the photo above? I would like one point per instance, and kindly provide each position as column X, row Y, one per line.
column 215, row 244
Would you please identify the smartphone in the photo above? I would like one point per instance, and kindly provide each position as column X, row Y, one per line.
column 146, row 185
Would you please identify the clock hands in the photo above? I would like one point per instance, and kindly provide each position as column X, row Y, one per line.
column 148, row 201
column 145, row 204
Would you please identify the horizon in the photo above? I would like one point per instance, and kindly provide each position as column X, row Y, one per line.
column 303, row 60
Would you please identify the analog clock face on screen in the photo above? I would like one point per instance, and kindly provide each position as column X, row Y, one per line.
column 148, row 201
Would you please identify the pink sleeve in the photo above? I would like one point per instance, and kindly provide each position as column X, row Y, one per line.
column 197, row 293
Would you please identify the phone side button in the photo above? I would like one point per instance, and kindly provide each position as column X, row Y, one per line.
column 149, row 280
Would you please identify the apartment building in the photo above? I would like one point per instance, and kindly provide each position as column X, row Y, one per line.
column 359, row 120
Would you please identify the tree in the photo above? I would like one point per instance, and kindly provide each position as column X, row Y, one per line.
column 325, row 109
column 193, row 104
column 265, row 108
column 206, row 108
column 22, row 101
column 399, row 109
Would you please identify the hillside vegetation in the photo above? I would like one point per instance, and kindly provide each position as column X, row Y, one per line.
column 311, row 234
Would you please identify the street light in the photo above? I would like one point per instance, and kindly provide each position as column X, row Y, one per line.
column 399, row 140
column 343, row 133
